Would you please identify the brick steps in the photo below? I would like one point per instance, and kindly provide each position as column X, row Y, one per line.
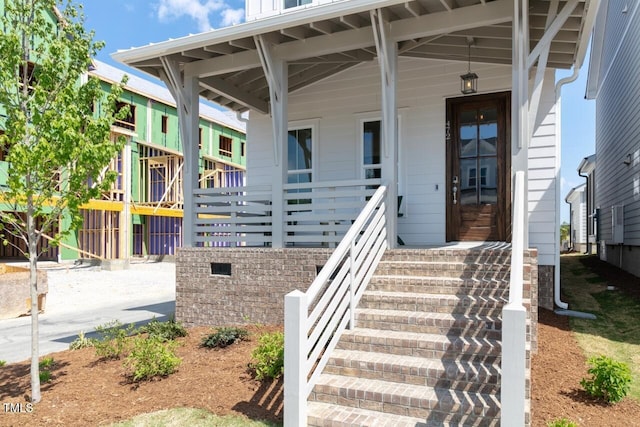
column 421, row 345
column 433, row 303
column 426, row 348
column 409, row 400
column 437, row 285
column 327, row 415
column 431, row 323
column 457, row 375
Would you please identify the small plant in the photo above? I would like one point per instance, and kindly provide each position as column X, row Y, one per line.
column 2, row 363
column 269, row 356
column 166, row 331
column 112, row 343
column 45, row 376
column 562, row 422
column 46, row 365
column 224, row 337
column 610, row 380
column 81, row 342
column 151, row 357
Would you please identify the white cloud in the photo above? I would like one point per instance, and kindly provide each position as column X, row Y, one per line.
column 232, row 16
column 199, row 11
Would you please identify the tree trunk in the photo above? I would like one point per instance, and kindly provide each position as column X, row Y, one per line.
column 33, row 282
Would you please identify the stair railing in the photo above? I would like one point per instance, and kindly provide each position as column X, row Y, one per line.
column 314, row 320
column 514, row 318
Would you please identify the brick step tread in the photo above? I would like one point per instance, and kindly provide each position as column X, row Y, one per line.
column 416, row 370
column 421, row 298
column 447, row 264
column 422, row 344
column 440, row 279
column 403, row 399
column 327, row 415
column 426, row 318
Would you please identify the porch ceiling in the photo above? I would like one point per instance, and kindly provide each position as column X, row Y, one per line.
column 323, row 40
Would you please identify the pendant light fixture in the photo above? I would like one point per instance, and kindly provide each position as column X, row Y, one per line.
column 469, row 81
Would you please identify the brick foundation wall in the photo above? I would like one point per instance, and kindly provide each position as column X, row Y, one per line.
column 546, row 275
column 253, row 293
column 531, row 290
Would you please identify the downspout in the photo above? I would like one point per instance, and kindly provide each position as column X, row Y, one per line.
column 594, row 5
column 556, row 279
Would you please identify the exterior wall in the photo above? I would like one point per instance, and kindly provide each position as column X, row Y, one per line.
column 258, row 9
column 336, row 106
column 255, row 290
column 618, row 134
column 578, row 215
column 546, row 274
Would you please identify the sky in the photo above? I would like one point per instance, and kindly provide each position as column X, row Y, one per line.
column 123, row 24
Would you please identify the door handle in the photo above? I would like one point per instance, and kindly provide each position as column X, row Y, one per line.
column 454, row 189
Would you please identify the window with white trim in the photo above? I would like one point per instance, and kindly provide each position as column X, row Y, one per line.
column 371, row 149
column 288, row 4
column 300, row 155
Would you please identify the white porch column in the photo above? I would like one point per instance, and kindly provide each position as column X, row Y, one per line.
column 185, row 90
column 520, row 135
column 387, row 51
column 277, row 75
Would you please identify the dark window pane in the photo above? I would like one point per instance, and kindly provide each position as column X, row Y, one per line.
column 468, row 134
column 299, row 147
column 488, row 131
column 488, row 180
column 371, row 141
column 468, row 181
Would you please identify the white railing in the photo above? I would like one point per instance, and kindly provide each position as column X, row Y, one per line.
column 315, row 320
column 233, row 216
column 321, row 213
column 514, row 318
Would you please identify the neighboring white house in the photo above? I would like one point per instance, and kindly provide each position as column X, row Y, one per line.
column 613, row 83
column 348, row 95
column 577, row 218
column 587, row 170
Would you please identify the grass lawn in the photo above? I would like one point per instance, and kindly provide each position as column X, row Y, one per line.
column 616, row 331
column 178, row 417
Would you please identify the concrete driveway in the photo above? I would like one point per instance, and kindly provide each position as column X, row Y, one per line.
column 83, row 297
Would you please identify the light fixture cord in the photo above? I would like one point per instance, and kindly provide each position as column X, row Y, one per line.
column 469, row 58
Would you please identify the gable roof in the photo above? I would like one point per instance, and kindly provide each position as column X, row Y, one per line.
column 160, row 93
column 320, row 41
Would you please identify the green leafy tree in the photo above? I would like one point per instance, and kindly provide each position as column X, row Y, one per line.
column 564, row 232
column 58, row 149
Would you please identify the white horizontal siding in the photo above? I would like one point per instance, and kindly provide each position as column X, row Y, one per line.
column 338, row 103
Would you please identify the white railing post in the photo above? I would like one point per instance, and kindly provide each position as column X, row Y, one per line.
column 352, row 280
column 514, row 323
column 295, row 358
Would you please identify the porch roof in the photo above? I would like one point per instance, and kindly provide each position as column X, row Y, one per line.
column 323, row 40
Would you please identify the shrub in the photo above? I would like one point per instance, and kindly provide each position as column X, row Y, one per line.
column 561, row 422
column 224, row 337
column 45, row 376
column 112, row 342
column 166, row 331
column 2, row 363
column 81, row 342
column 151, row 357
column 610, row 380
column 46, row 365
column 269, row 356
